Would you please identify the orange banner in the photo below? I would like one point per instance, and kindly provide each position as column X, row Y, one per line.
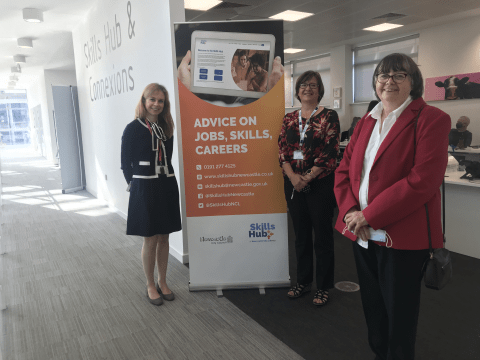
column 230, row 155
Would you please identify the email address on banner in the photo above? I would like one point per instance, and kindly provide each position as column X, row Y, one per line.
column 216, row 195
column 223, row 176
column 217, row 186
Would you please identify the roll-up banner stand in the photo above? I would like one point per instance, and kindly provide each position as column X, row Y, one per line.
column 231, row 94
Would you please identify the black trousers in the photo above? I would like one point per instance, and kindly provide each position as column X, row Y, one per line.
column 313, row 210
column 390, row 283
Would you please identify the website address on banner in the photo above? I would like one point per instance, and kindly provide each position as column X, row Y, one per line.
column 216, row 195
column 233, row 203
column 249, row 184
column 222, row 176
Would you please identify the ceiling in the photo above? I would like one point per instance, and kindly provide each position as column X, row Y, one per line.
column 336, row 22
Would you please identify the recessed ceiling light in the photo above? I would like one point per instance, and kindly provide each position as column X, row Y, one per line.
column 19, row 59
column 32, row 15
column 383, row 27
column 293, row 50
column 25, row 43
column 201, row 5
column 291, row 15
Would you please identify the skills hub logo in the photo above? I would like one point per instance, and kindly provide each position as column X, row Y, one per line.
column 261, row 232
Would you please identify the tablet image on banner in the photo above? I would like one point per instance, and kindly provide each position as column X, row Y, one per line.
column 217, row 68
column 231, row 112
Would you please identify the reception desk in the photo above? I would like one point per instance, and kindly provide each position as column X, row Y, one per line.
column 462, row 208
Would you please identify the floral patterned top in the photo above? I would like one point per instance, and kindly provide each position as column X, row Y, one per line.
column 321, row 145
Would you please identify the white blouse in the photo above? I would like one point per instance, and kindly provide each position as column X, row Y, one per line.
column 374, row 143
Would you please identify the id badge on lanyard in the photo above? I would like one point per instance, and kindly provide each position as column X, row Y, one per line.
column 298, row 154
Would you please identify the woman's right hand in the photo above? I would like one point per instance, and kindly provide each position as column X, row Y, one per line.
column 298, row 182
column 184, row 70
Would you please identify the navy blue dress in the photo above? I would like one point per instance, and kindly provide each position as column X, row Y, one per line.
column 154, row 206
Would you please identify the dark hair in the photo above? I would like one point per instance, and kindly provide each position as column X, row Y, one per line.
column 257, row 59
column 400, row 62
column 165, row 119
column 307, row 75
column 372, row 104
column 241, row 53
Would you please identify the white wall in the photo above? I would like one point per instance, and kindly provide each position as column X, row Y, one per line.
column 37, row 95
column 453, row 49
column 40, row 93
column 145, row 57
column 340, row 76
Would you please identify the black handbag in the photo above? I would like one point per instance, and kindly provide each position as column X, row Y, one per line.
column 437, row 269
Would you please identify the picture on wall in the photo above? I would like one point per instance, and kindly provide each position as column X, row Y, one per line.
column 453, row 87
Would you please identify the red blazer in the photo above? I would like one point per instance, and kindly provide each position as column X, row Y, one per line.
column 398, row 189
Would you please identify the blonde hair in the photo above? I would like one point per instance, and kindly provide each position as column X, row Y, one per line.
column 165, row 119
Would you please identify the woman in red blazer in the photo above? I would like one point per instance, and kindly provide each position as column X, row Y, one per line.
column 381, row 187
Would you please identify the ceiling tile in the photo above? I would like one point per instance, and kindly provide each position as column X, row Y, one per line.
column 272, row 7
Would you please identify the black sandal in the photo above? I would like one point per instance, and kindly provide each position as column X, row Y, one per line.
column 298, row 290
column 321, row 295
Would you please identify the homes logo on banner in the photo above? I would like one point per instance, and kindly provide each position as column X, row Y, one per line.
column 217, row 240
column 261, row 232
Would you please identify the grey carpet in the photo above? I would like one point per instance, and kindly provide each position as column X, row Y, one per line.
column 74, row 286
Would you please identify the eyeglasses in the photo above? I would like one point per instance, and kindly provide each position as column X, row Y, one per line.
column 311, row 86
column 397, row 78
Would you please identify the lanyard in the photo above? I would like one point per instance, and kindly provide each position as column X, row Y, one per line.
column 300, row 127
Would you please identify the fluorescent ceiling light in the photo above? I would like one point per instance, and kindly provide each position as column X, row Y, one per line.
column 13, row 77
column 12, row 83
column 293, row 50
column 16, row 69
column 291, row 15
column 201, row 5
column 383, row 27
column 19, row 59
column 25, row 43
column 32, row 15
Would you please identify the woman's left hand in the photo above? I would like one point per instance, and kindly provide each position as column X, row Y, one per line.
column 308, row 177
column 357, row 224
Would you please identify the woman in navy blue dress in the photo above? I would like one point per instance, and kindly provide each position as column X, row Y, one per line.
column 153, row 209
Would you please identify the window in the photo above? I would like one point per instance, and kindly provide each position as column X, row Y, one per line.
column 366, row 58
column 14, row 119
column 296, row 68
column 4, row 117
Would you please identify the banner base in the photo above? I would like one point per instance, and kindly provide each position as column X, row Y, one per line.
column 237, row 286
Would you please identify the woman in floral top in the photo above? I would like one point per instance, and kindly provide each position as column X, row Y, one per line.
column 308, row 151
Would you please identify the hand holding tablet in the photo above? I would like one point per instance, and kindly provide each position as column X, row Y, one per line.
column 212, row 59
